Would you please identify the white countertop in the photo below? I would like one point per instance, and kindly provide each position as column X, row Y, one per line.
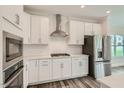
column 49, row 57
column 113, row 81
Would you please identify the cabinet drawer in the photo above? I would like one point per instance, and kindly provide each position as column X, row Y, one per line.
column 44, row 62
column 44, row 70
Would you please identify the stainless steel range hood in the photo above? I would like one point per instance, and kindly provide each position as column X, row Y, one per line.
column 58, row 31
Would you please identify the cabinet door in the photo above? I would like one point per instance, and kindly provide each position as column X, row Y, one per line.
column 25, row 76
column 86, row 66
column 73, row 32
column 35, row 29
column 66, row 68
column 88, row 29
column 75, row 67
column 44, row 30
column 26, row 28
column 44, row 70
column 97, row 29
column 80, row 33
column 13, row 13
column 76, row 33
column 32, row 71
column 56, row 69
column 83, row 65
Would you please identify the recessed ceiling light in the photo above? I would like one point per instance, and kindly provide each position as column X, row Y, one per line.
column 108, row 11
column 82, row 6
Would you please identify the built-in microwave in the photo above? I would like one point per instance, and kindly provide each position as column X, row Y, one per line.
column 13, row 49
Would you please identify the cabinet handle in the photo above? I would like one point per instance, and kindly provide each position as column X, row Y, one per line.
column 76, row 59
column 17, row 21
column 39, row 40
column 44, row 61
column 77, row 41
column 26, row 68
column 36, row 64
column 45, row 65
column 80, row 63
column 28, row 39
column 61, row 65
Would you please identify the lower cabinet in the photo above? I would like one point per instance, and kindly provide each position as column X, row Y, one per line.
column 79, row 66
column 56, row 69
column 66, row 68
column 76, row 67
column 61, row 68
column 39, row 70
column 44, row 70
column 32, row 71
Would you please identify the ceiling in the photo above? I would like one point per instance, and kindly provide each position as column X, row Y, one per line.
column 92, row 11
column 97, row 12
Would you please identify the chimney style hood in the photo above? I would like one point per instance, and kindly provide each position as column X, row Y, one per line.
column 58, row 31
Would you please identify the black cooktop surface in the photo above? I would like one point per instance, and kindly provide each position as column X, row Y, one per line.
column 59, row 54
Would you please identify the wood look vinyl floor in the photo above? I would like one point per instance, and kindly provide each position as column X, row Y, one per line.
column 84, row 82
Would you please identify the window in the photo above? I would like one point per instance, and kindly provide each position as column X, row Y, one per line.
column 117, row 45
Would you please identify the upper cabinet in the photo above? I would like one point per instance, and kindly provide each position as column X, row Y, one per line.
column 26, row 28
column 39, row 29
column 93, row 29
column 36, row 29
column 14, row 14
column 97, row 29
column 76, row 30
column 88, row 29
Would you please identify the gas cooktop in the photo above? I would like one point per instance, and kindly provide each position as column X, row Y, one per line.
column 59, row 54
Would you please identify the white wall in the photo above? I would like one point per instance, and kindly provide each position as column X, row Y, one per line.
column 116, row 26
column 118, row 62
column 116, row 22
column 56, row 45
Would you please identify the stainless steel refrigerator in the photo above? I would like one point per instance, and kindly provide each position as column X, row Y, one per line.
column 99, row 50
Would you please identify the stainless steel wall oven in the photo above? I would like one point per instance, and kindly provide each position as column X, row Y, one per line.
column 12, row 60
column 13, row 76
column 12, row 46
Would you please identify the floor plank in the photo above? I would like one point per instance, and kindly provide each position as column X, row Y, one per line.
column 84, row 82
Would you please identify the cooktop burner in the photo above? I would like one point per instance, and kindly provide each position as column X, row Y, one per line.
column 59, row 54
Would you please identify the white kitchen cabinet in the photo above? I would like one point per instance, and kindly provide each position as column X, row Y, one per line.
column 75, row 67
column 84, row 66
column 39, row 70
column 32, row 71
column 39, row 29
column 44, row 30
column 80, row 33
column 88, row 28
column 56, row 69
column 26, row 28
column 13, row 13
column 66, row 68
column 97, row 29
column 35, row 29
column 79, row 66
column 44, row 70
column 61, row 68
column 76, row 29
